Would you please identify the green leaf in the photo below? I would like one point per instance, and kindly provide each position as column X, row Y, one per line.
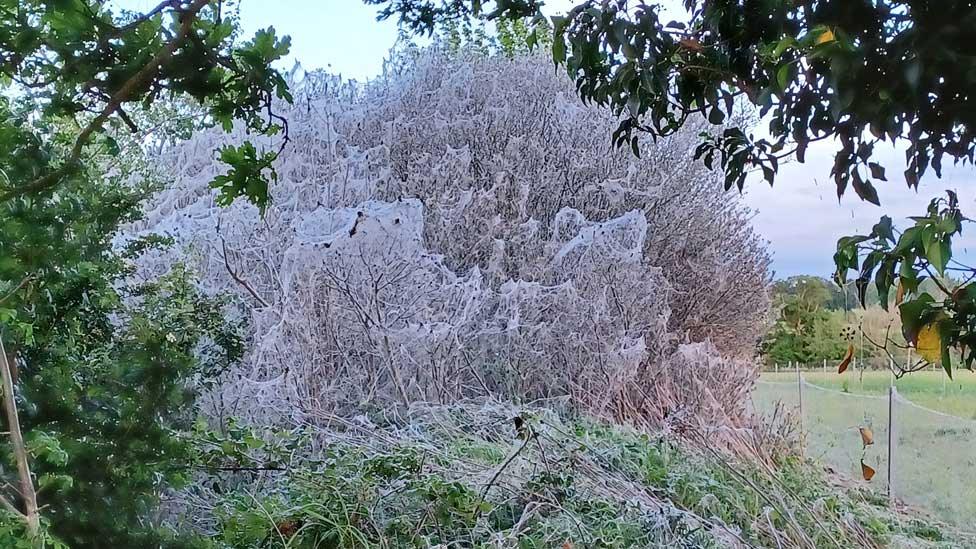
column 938, row 250
column 908, row 275
column 558, row 50
column 867, row 269
column 883, row 229
column 914, row 314
column 909, row 240
column 559, row 24
column 945, row 337
column 884, row 280
column 782, row 45
column 784, row 75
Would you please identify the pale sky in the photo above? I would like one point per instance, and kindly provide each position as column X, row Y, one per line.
column 801, row 217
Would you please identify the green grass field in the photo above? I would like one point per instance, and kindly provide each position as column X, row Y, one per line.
column 929, row 388
column 934, row 452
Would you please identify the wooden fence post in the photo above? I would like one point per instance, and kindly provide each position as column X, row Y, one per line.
column 799, row 388
column 892, row 391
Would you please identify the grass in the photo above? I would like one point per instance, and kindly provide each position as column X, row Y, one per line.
column 931, row 389
column 933, row 455
column 436, row 480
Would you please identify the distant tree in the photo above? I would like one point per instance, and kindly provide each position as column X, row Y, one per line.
column 800, row 297
column 805, row 329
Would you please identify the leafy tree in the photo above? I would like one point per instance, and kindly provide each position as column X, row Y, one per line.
column 856, row 73
column 806, row 329
column 79, row 60
column 800, row 297
column 104, row 371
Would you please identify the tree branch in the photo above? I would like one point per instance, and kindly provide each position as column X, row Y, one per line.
column 139, row 79
column 16, row 289
column 237, row 278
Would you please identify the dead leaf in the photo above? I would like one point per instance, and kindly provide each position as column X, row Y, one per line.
column 287, row 528
column 867, row 437
column 691, row 44
column 847, row 359
column 929, row 343
column 867, row 471
column 900, row 293
column 567, row 544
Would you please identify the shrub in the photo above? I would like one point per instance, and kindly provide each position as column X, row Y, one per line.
column 429, row 240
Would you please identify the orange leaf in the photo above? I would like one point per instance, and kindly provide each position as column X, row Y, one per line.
column 900, row 294
column 847, row 359
column 567, row 544
column 826, row 36
column 929, row 343
column 867, row 437
column 867, row 471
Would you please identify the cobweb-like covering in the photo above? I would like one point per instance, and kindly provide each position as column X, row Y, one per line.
column 462, row 227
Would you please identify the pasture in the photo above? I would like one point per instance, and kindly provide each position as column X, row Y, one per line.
column 934, row 443
column 930, row 388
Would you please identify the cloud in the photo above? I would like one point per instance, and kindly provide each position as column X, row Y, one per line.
column 802, row 217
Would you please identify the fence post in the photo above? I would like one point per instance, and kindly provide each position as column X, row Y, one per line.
column 776, row 367
column 799, row 388
column 892, row 391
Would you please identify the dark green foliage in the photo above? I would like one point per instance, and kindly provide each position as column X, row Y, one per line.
column 108, row 370
column 108, row 404
column 858, row 73
column 82, row 60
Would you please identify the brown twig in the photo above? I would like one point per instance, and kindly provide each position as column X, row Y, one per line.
column 237, row 278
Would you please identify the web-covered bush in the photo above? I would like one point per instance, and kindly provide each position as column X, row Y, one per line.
column 462, row 227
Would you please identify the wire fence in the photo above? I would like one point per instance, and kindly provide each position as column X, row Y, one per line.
column 920, row 456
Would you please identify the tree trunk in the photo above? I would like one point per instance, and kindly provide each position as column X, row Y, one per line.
column 20, row 450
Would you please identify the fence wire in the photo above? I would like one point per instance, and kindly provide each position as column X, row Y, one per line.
column 932, row 457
